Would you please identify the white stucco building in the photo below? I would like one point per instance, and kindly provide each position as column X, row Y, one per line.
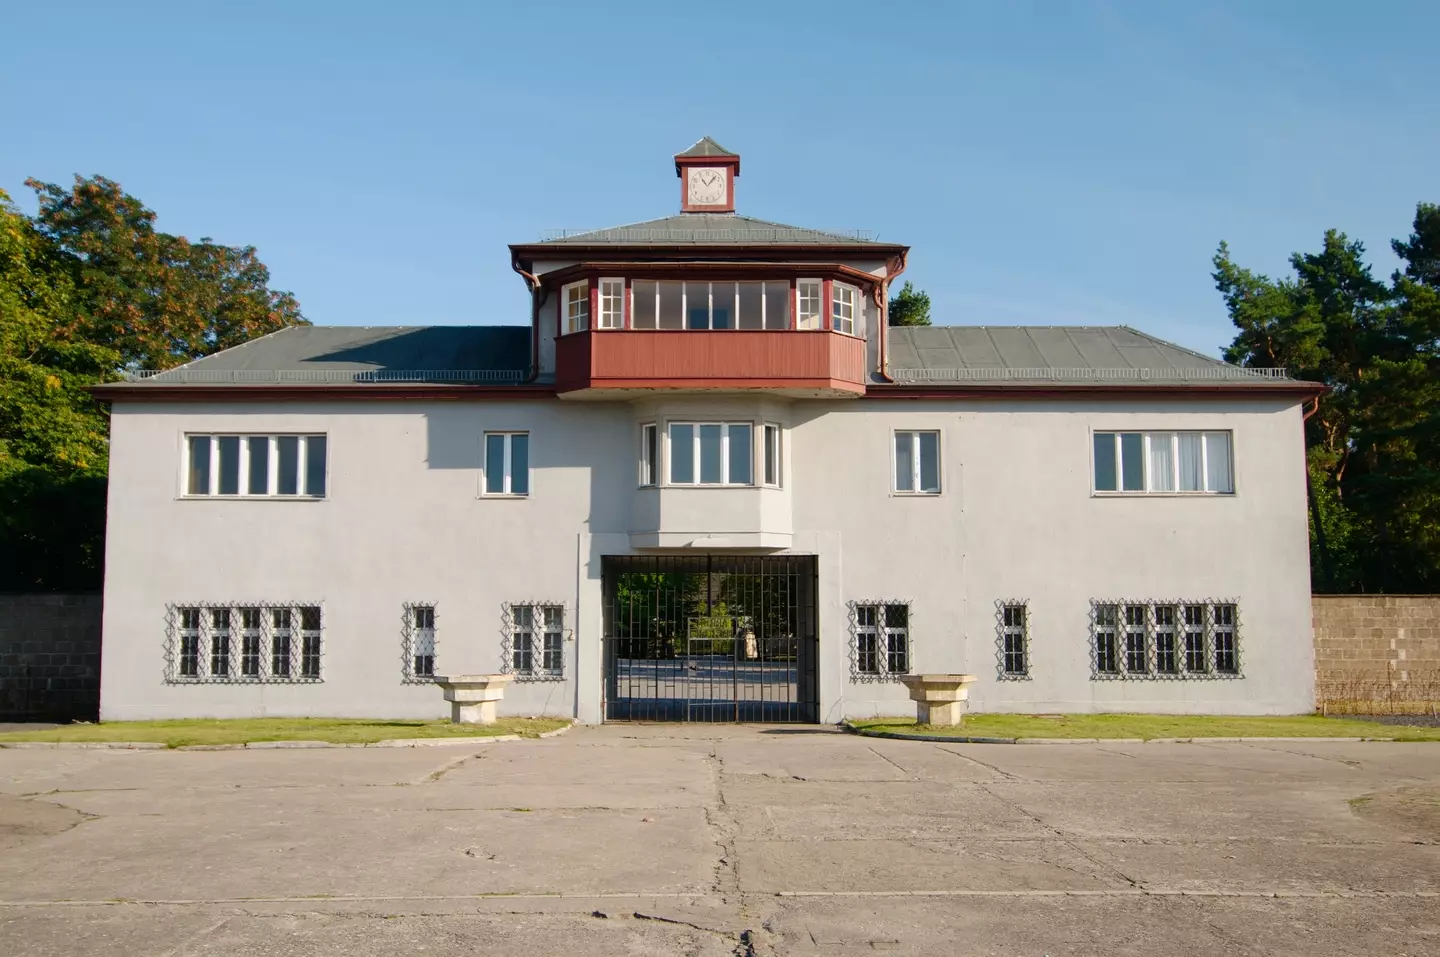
column 706, row 482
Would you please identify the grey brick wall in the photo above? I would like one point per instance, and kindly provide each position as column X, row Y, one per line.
column 49, row 657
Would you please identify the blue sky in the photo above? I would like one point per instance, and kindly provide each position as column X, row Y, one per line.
column 1049, row 163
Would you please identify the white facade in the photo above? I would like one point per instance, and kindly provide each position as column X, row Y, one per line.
column 403, row 520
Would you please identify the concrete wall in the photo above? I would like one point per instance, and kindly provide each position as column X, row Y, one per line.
column 404, row 521
column 49, row 657
column 1377, row 654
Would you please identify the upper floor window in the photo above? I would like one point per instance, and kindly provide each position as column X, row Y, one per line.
column 612, row 304
column 1158, row 462
column 712, row 453
column 772, row 455
column 809, row 293
column 255, row 465
column 649, row 454
column 917, row 463
column 507, row 463
column 842, row 305
column 576, row 303
column 709, row 305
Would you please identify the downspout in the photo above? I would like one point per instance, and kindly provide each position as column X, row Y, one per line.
column 882, row 304
column 537, row 299
column 1325, row 562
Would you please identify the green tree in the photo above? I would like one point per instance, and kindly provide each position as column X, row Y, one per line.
column 1374, row 438
column 156, row 299
column 909, row 307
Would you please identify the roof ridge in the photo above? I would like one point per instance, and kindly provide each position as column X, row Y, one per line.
column 1174, row 345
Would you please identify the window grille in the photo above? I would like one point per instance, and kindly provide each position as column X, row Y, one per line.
column 417, row 643
column 533, row 640
column 1013, row 639
column 242, row 643
column 1165, row 639
column 880, row 632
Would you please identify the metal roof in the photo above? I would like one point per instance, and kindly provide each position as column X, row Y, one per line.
column 366, row 354
column 705, row 146
column 1058, row 354
column 709, row 229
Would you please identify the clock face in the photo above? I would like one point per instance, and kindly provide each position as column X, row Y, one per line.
column 707, row 186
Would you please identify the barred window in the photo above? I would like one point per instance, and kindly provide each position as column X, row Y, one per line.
column 536, row 637
column 214, row 643
column 1014, row 640
column 1175, row 639
column 418, row 643
column 882, row 639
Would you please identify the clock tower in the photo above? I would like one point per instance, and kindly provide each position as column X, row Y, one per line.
column 707, row 174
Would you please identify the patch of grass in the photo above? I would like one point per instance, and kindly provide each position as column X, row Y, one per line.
column 1156, row 726
column 174, row 734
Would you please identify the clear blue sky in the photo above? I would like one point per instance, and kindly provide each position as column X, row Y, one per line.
column 1049, row 162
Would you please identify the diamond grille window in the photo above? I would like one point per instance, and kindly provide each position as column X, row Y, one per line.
column 880, row 632
column 534, row 640
column 1013, row 639
column 1178, row 639
column 417, row 643
column 251, row 643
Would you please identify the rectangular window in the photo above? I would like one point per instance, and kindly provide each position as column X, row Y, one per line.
column 1014, row 640
column 697, row 305
column 507, row 463
column 649, row 453
column 1106, row 617
column 1136, row 660
column 777, row 305
column 522, row 639
column 644, row 307
column 723, row 452
column 220, row 642
column 670, row 300
column 552, row 653
column 310, row 642
column 842, row 315
column 420, row 641
column 917, row 462
column 882, row 638
column 244, row 643
column 537, row 640
column 612, row 303
column 749, row 305
column 1222, row 638
column 1195, row 657
column 772, row 455
column 189, row 642
column 251, row 654
column 280, row 635
column 575, row 301
column 1166, row 662
column 1163, row 462
column 256, row 466
column 808, row 294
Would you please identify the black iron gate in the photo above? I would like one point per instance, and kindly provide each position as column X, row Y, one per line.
column 710, row 638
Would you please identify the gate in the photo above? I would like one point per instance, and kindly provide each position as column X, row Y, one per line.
column 710, row 638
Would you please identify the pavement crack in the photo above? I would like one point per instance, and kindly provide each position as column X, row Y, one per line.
column 891, row 763
column 721, row 818
column 989, row 767
column 436, row 775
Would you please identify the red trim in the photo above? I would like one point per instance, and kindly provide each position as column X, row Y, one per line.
column 590, row 323
column 827, row 303
column 120, row 392
column 731, row 165
column 998, row 391
column 794, row 305
column 529, row 253
column 625, row 306
column 656, row 385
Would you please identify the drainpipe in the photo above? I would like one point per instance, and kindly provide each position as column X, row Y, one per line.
column 1325, row 563
column 882, row 302
column 537, row 299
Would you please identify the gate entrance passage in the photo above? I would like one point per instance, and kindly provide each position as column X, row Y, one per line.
column 711, row 638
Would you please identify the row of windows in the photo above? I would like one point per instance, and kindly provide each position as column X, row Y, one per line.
column 709, row 453
column 271, row 643
column 1129, row 639
column 710, row 305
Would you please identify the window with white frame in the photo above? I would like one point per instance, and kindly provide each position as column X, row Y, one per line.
column 507, row 464
column 711, row 453
column 255, row 466
column 649, row 454
column 535, row 633
column 575, row 301
column 1164, row 462
column 842, row 308
column 881, row 634
column 418, row 643
column 917, row 463
column 1014, row 621
column 612, row 304
column 1164, row 639
column 244, row 643
column 809, row 294
column 772, row 443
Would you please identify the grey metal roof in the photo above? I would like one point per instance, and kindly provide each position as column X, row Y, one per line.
column 1059, row 354
column 705, row 146
column 366, row 353
column 709, row 229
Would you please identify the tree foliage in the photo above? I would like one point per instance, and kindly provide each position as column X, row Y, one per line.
column 1374, row 438
column 909, row 307
column 89, row 288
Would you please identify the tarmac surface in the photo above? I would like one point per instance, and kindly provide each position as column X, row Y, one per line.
column 721, row 840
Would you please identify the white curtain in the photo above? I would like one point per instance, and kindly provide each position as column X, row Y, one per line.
column 1162, row 463
column 1217, row 462
column 1192, row 462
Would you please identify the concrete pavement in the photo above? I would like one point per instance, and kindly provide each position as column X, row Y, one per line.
column 654, row 839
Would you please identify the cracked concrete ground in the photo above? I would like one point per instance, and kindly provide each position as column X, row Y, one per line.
column 669, row 839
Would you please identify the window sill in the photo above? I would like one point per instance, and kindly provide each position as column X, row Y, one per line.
column 251, row 498
column 502, row 496
column 894, row 494
column 1102, row 494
